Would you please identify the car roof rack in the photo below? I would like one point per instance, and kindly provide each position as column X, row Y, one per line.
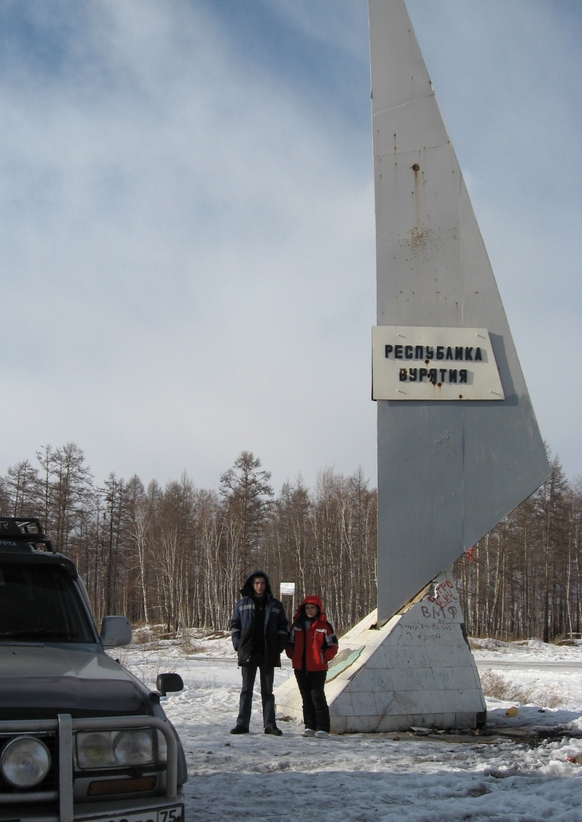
column 24, row 529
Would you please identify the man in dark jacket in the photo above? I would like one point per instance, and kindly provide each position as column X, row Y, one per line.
column 259, row 634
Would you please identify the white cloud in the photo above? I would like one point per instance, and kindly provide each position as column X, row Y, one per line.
column 189, row 239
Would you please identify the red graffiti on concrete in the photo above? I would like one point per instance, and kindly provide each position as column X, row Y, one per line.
column 444, row 594
column 444, row 601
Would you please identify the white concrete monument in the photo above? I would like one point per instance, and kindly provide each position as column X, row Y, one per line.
column 458, row 443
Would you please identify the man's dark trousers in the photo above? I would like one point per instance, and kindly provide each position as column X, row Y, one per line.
column 249, row 673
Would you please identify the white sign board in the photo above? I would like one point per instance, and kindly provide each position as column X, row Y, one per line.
column 414, row 363
column 287, row 589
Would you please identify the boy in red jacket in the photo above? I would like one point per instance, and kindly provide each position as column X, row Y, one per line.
column 312, row 644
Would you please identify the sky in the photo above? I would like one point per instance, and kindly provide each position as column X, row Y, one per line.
column 187, row 263
column 503, row 775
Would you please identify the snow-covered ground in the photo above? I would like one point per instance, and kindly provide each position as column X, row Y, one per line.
column 520, row 768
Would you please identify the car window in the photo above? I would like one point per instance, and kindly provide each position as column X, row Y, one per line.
column 40, row 602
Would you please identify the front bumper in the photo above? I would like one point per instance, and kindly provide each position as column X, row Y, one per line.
column 59, row 803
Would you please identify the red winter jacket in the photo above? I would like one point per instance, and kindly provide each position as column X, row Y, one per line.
column 313, row 644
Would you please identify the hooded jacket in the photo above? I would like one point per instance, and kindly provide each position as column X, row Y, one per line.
column 312, row 643
column 243, row 622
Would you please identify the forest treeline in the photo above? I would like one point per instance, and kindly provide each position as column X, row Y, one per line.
column 178, row 554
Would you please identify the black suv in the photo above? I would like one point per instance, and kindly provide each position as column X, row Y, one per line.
column 81, row 738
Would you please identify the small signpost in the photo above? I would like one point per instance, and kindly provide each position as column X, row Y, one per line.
column 287, row 589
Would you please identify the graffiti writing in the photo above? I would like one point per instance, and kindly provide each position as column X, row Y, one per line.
column 436, row 611
column 444, row 594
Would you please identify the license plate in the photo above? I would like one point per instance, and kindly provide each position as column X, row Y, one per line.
column 165, row 815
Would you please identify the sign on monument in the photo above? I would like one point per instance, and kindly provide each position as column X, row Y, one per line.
column 410, row 363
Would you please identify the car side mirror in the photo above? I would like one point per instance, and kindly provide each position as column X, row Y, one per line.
column 115, row 631
column 169, row 683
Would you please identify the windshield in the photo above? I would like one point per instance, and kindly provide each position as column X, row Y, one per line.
column 40, row 602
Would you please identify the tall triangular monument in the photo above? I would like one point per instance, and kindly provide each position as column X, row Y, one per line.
column 458, row 442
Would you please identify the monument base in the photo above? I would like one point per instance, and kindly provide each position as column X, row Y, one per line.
column 417, row 670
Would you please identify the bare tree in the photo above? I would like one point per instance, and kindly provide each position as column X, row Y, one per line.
column 246, row 493
column 21, row 489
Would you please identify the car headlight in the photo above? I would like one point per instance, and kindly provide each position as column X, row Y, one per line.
column 25, row 762
column 115, row 749
column 134, row 747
